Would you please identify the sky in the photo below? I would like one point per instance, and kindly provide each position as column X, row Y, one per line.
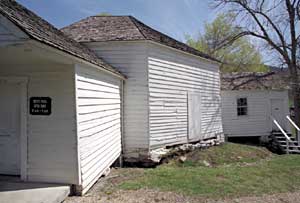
column 176, row 18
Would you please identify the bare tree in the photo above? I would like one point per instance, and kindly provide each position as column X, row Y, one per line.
column 277, row 24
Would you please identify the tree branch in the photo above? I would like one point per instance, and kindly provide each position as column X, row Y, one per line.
column 298, row 9
column 277, row 31
column 291, row 12
column 281, row 49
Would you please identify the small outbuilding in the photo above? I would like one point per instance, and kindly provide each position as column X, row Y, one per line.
column 172, row 91
column 60, row 106
column 250, row 100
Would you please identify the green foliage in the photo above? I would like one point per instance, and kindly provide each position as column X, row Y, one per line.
column 237, row 56
column 104, row 14
column 227, row 179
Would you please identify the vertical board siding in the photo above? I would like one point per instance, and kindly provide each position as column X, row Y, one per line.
column 257, row 122
column 52, row 139
column 99, row 122
column 194, row 116
column 130, row 59
column 172, row 75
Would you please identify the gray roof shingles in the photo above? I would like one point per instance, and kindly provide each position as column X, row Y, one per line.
column 255, row 81
column 122, row 28
column 42, row 31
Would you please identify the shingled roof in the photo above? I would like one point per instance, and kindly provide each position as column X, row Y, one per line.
column 38, row 29
column 122, row 28
column 255, row 81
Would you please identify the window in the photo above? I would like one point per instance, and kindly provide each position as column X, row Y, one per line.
column 242, row 107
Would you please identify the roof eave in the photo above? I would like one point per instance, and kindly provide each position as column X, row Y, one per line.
column 156, row 43
column 74, row 57
column 32, row 36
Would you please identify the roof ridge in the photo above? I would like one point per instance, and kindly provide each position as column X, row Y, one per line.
column 167, row 36
column 99, row 15
column 72, row 24
column 134, row 21
column 126, row 28
column 149, row 27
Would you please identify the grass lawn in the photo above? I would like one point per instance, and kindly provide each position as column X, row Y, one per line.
column 230, row 170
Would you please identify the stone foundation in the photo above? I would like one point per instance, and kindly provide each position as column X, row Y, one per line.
column 158, row 154
column 151, row 158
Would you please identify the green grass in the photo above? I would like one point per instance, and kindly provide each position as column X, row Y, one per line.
column 229, row 177
column 225, row 154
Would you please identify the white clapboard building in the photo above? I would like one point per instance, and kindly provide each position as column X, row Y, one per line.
column 60, row 106
column 172, row 91
column 251, row 101
column 69, row 108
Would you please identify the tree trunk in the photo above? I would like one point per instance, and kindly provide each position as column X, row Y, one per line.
column 295, row 91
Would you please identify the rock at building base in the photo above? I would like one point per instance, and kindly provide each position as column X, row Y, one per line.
column 182, row 159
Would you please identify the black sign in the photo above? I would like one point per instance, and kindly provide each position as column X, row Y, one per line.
column 40, row 106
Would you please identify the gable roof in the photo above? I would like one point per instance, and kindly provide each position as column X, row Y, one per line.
column 255, row 81
column 39, row 29
column 122, row 28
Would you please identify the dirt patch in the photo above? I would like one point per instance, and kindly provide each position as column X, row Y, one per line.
column 276, row 198
column 139, row 196
column 153, row 196
column 107, row 187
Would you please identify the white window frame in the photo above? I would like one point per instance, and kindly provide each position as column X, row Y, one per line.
column 242, row 106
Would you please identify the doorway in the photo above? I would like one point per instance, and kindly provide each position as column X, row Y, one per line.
column 277, row 113
column 10, row 139
column 194, row 116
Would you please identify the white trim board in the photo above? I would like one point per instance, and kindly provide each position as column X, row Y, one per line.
column 23, row 81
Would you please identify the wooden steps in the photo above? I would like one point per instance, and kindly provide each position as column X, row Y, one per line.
column 288, row 147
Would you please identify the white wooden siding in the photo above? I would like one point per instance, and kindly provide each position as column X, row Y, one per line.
column 159, row 80
column 98, row 121
column 257, row 122
column 172, row 75
column 51, row 139
column 130, row 59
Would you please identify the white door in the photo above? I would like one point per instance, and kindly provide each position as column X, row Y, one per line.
column 194, row 104
column 277, row 113
column 10, row 128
